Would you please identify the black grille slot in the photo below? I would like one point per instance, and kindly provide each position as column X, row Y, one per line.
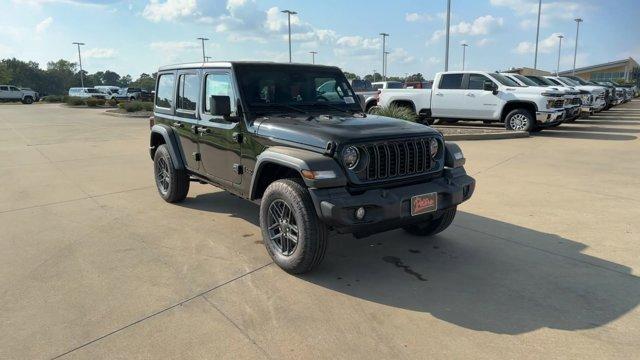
column 396, row 159
column 575, row 101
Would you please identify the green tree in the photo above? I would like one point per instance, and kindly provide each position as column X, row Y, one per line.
column 110, row 78
column 145, row 81
column 351, row 76
column 124, row 81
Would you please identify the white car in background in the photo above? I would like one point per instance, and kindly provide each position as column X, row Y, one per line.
column 110, row 91
column 86, row 93
column 380, row 85
column 598, row 93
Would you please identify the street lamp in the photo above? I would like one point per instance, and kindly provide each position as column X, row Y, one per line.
column 446, row 52
column 80, row 62
column 386, row 57
column 535, row 57
column 204, row 58
column 384, row 65
column 464, row 48
column 560, row 37
column 575, row 50
column 313, row 56
column 289, row 13
column 374, row 75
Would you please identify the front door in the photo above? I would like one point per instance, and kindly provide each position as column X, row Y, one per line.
column 15, row 93
column 479, row 103
column 220, row 139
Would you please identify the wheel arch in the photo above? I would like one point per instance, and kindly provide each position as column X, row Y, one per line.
column 162, row 134
column 404, row 103
column 518, row 104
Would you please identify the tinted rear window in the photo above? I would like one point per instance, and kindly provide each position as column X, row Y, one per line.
column 451, row 81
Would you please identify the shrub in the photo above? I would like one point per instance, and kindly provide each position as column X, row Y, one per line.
column 133, row 106
column 393, row 111
column 101, row 102
column 148, row 106
column 54, row 98
column 121, row 105
column 92, row 102
column 113, row 102
column 74, row 101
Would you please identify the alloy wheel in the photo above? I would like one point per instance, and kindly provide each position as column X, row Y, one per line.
column 283, row 229
column 162, row 176
column 519, row 122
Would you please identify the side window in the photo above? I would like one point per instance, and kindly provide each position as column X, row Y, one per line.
column 164, row 93
column 476, row 81
column 451, row 81
column 219, row 85
column 188, row 92
column 4, row 88
column 13, row 88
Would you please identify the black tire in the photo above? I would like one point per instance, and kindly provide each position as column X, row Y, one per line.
column 132, row 99
column 519, row 119
column 172, row 184
column 309, row 249
column 27, row 100
column 432, row 227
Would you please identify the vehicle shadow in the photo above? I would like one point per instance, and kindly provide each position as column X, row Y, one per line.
column 481, row 274
column 581, row 134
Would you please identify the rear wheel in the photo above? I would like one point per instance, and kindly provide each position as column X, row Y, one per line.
column 293, row 234
column 433, row 226
column 172, row 183
column 519, row 120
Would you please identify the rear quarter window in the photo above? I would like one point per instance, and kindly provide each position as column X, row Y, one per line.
column 164, row 93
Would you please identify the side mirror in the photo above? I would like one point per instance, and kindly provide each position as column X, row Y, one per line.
column 488, row 85
column 220, row 106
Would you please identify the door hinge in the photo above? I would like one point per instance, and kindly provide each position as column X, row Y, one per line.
column 238, row 169
column 196, row 156
column 237, row 137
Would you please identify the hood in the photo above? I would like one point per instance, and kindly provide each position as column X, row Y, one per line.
column 591, row 88
column 535, row 90
column 317, row 130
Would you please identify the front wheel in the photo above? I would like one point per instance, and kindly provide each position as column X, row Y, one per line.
column 27, row 100
column 293, row 234
column 519, row 120
column 434, row 226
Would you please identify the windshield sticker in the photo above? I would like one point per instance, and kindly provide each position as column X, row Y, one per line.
column 349, row 100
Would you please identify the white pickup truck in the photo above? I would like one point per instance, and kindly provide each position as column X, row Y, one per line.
column 484, row 96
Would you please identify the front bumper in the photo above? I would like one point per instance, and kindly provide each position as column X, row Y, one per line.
column 586, row 110
column 388, row 209
column 572, row 112
column 549, row 117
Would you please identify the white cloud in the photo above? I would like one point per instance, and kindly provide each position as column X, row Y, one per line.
column 483, row 42
column 100, row 53
column 359, row 42
column 482, row 25
column 434, row 60
column 416, row 17
column 551, row 12
column 5, row 51
column 400, row 56
column 43, row 25
column 169, row 10
column 40, row 3
column 545, row 45
column 172, row 46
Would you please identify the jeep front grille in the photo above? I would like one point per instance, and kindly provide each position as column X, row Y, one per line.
column 396, row 159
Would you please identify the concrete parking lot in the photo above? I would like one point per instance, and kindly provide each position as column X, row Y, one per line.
column 543, row 262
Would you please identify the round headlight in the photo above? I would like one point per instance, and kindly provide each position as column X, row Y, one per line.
column 433, row 147
column 350, row 157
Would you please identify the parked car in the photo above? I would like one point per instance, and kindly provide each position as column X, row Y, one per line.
column 313, row 161
column 571, row 96
column 365, row 91
column 13, row 93
column 597, row 99
column 379, row 85
column 130, row 94
column 146, row 95
column 479, row 95
column 30, row 90
column 109, row 90
column 86, row 93
column 585, row 97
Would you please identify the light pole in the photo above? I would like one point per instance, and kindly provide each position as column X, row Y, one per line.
column 384, row 44
column 313, row 56
column 386, row 57
column 560, row 37
column 289, row 13
column 464, row 52
column 446, row 51
column 535, row 57
column 374, row 75
column 575, row 50
column 203, row 39
column 80, row 62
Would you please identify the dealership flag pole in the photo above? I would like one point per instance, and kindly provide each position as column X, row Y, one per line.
column 575, row 50
column 560, row 37
column 289, row 13
column 535, row 57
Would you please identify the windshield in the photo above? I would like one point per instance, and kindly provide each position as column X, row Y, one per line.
column 279, row 87
column 504, row 80
column 569, row 82
column 576, row 79
column 525, row 80
column 540, row 80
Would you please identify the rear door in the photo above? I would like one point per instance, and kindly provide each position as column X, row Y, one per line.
column 220, row 139
column 4, row 92
column 15, row 93
column 447, row 98
column 478, row 103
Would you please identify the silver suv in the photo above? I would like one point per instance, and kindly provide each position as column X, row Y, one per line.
column 13, row 93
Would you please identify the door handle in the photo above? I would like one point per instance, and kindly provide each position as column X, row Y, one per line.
column 470, row 94
column 439, row 94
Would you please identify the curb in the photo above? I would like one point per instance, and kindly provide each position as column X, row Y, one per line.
column 125, row 115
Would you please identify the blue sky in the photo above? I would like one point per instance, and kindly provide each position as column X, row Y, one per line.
column 132, row 37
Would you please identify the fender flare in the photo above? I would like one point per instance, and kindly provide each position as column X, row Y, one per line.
column 171, row 140
column 298, row 160
column 528, row 102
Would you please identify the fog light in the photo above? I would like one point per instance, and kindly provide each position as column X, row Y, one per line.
column 360, row 213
